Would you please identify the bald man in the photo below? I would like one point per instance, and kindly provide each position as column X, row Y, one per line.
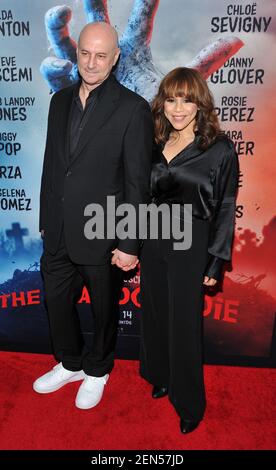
column 99, row 144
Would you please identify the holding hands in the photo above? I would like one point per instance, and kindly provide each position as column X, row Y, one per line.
column 123, row 260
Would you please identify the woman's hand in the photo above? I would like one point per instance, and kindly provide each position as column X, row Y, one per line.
column 209, row 281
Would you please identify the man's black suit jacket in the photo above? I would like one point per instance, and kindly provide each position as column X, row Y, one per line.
column 113, row 157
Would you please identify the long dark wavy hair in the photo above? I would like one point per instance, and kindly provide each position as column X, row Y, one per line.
column 187, row 82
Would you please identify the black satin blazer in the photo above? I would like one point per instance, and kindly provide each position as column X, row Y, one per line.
column 207, row 179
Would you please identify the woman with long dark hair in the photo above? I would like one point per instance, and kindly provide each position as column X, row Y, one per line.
column 195, row 163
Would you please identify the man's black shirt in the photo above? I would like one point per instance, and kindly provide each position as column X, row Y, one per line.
column 79, row 115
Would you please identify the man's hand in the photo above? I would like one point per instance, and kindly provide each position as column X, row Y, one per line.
column 123, row 260
column 209, row 281
column 42, row 232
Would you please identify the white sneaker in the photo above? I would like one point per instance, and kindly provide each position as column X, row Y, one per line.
column 91, row 391
column 56, row 378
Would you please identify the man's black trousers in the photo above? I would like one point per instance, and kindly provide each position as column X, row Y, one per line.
column 63, row 284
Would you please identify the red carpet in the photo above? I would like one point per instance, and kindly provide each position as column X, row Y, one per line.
column 241, row 412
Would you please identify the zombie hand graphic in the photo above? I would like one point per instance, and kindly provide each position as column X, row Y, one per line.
column 136, row 69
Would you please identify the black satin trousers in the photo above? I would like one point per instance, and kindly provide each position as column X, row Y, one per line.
column 172, row 296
